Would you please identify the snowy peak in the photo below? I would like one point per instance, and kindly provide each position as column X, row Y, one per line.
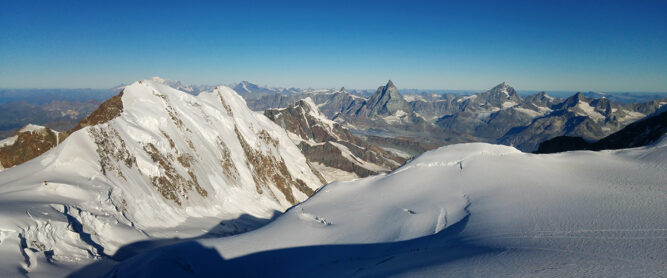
column 250, row 90
column 245, row 87
column 146, row 163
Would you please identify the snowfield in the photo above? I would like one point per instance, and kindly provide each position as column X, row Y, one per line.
column 462, row 210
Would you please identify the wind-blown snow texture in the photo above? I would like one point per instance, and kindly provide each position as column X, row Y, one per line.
column 171, row 165
column 462, row 210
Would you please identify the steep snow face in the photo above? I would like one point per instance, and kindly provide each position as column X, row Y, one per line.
column 462, row 210
column 587, row 110
column 168, row 160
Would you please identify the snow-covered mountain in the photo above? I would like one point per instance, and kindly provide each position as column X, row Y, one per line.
column 250, row 90
column 386, row 106
column 639, row 133
column 176, row 84
column 331, row 148
column 580, row 116
column 151, row 162
column 463, row 210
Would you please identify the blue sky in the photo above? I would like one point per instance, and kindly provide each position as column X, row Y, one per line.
column 533, row 45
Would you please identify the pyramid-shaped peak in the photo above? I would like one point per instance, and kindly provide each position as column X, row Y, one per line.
column 390, row 84
column 502, row 86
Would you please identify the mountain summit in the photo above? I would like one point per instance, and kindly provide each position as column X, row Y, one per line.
column 159, row 163
column 385, row 102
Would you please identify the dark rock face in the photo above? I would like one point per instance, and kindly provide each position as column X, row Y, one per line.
column 577, row 116
column 28, row 145
column 640, row 133
column 32, row 144
column 107, row 111
column 385, row 102
column 327, row 142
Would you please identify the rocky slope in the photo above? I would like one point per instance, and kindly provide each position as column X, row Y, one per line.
column 56, row 114
column 640, row 133
column 333, row 149
column 498, row 115
column 152, row 162
column 578, row 116
column 27, row 143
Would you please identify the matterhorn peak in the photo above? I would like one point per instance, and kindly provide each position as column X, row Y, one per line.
column 501, row 86
column 505, row 90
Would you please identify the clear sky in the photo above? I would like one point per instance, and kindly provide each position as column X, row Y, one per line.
column 541, row 45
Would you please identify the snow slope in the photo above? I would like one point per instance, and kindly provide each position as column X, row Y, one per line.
column 171, row 165
column 462, row 210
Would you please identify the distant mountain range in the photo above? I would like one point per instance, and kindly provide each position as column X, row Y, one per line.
column 156, row 162
column 499, row 115
column 639, row 133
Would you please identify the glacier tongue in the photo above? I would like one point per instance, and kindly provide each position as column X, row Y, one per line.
column 167, row 161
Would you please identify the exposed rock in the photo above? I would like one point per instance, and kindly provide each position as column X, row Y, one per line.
column 107, row 111
column 637, row 134
column 170, row 183
column 267, row 171
column 111, row 148
column 28, row 143
column 326, row 142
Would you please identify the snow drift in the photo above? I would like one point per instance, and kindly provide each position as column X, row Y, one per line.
column 461, row 210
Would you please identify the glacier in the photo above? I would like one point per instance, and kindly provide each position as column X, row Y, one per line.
column 462, row 210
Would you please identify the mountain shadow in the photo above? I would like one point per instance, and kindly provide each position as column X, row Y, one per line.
column 192, row 259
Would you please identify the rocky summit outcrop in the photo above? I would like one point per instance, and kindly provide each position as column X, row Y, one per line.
column 28, row 143
column 385, row 102
column 32, row 140
column 329, row 146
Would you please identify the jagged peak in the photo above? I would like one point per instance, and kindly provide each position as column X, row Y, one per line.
column 107, row 111
column 501, row 86
column 504, row 89
column 577, row 97
column 308, row 102
column 389, row 89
